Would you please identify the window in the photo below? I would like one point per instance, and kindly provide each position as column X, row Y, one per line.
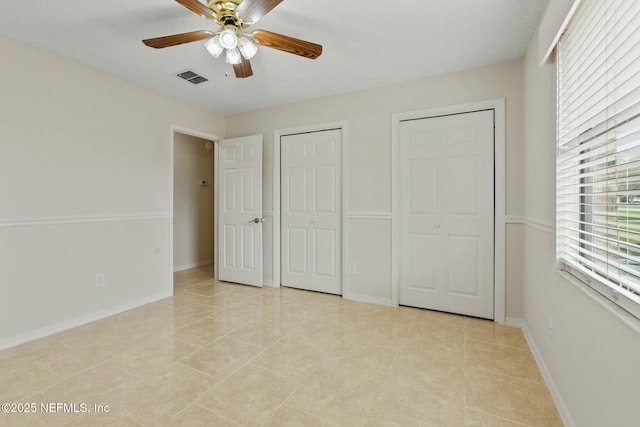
column 598, row 168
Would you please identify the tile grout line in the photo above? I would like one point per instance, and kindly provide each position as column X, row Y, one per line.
column 487, row 371
column 194, row 404
column 281, row 405
column 464, row 389
column 500, row 417
column 525, row 348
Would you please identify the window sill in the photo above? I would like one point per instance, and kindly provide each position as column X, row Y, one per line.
column 623, row 315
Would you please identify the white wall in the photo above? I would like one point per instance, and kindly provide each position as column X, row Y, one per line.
column 84, row 189
column 192, row 203
column 593, row 362
column 368, row 115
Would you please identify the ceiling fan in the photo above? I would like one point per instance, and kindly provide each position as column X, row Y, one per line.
column 233, row 17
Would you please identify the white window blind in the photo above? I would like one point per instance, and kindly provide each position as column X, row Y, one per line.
column 598, row 168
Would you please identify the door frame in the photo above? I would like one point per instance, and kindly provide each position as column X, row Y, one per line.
column 499, row 191
column 275, row 281
column 173, row 129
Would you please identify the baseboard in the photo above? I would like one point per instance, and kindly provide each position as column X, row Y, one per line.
column 369, row 299
column 269, row 283
column 548, row 379
column 514, row 322
column 192, row 265
column 80, row 320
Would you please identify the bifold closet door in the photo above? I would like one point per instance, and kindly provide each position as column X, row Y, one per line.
column 447, row 213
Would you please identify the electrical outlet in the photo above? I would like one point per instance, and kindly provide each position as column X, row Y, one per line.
column 352, row 268
column 100, row 280
column 161, row 203
column 550, row 330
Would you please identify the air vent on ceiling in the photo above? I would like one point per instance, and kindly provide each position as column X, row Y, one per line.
column 192, row 77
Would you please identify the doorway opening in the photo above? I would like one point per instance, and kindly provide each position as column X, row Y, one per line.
column 192, row 202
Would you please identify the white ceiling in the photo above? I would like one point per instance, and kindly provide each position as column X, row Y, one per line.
column 367, row 43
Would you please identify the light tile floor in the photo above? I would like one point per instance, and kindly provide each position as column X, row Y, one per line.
column 218, row 354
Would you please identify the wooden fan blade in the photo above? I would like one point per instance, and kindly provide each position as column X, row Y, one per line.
column 252, row 10
column 177, row 39
column 287, row 44
column 243, row 69
column 196, row 7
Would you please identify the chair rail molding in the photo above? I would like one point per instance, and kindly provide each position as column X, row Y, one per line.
column 43, row 221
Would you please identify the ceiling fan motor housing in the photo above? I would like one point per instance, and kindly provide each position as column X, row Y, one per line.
column 224, row 9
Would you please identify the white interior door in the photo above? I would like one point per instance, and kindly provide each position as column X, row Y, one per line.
column 447, row 213
column 240, row 210
column 311, row 231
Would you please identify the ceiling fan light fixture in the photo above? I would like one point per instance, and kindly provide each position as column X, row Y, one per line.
column 233, row 56
column 228, row 39
column 247, row 48
column 214, row 47
column 232, row 18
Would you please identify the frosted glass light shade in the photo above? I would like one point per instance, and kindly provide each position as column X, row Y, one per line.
column 228, row 39
column 247, row 48
column 213, row 46
column 233, row 56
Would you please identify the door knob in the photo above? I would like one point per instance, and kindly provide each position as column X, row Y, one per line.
column 313, row 221
column 257, row 220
